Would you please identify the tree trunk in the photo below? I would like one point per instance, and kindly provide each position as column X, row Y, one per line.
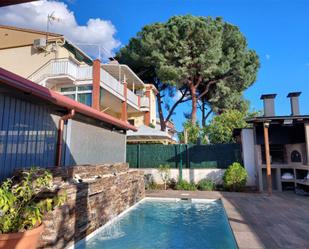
column 203, row 113
column 194, row 103
column 160, row 111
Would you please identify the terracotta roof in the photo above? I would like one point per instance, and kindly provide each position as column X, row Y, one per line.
column 44, row 93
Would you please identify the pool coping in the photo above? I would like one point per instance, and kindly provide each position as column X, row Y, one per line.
column 176, row 199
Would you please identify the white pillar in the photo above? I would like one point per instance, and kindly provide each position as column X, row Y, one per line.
column 247, row 141
column 306, row 125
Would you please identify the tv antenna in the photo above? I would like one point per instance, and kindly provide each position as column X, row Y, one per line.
column 50, row 18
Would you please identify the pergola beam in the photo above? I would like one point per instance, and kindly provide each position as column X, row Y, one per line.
column 267, row 156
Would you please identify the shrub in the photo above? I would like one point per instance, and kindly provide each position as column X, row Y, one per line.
column 206, row 185
column 235, row 177
column 23, row 203
column 149, row 181
column 154, row 186
column 184, row 185
column 164, row 171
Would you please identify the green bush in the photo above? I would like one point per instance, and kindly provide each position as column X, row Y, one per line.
column 206, row 185
column 184, row 185
column 235, row 177
column 22, row 202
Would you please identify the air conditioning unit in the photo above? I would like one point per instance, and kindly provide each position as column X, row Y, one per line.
column 39, row 43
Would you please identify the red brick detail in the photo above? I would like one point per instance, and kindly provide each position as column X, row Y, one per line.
column 147, row 114
column 124, row 113
column 96, row 84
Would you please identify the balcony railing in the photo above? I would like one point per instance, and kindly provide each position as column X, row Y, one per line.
column 55, row 68
column 111, row 84
column 84, row 73
column 144, row 102
column 132, row 98
column 73, row 71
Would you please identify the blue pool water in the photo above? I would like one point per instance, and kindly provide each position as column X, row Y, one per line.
column 157, row 224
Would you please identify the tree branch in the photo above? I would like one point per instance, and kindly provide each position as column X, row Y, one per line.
column 180, row 100
column 212, row 82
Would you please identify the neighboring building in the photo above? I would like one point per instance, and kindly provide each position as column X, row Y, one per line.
column 153, row 134
column 40, row 127
column 288, row 147
column 53, row 61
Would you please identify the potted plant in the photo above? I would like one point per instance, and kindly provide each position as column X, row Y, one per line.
column 23, row 202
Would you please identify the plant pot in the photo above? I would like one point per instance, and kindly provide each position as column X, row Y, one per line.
column 23, row 240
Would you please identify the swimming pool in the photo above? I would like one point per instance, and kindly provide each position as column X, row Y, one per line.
column 167, row 224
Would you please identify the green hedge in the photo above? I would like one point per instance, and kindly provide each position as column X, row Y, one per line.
column 192, row 156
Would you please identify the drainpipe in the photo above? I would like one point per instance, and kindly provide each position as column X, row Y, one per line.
column 70, row 115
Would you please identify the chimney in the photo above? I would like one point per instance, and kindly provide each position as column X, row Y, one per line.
column 269, row 104
column 294, row 102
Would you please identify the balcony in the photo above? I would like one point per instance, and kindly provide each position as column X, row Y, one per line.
column 64, row 71
column 144, row 103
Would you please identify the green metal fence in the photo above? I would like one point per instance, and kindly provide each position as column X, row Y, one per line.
column 189, row 156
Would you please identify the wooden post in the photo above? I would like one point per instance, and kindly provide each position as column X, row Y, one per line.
column 267, row 156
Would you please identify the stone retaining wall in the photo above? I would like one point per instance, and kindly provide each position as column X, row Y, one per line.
column 91, row 203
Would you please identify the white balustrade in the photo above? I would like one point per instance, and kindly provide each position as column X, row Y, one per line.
column 145, row 102
column 111, row 83
column 132, row 98
column 64, row 67
column 84, row 73
column 67, row 67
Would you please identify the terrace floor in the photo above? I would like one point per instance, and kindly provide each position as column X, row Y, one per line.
column 280, row 221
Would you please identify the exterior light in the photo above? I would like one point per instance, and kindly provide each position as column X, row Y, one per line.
column 288, row 122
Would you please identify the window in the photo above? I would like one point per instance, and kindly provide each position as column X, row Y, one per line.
column 68, row 89
column 82, row 94
column 84, row 88
column 85, row 98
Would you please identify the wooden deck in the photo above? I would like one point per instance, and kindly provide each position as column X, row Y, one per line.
column 259, row 221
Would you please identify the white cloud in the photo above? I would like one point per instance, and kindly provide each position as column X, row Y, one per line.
column 34, row 15
column 177, row 95
column 267, row 56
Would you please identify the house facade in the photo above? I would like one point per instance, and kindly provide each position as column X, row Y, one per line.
column 52, row 61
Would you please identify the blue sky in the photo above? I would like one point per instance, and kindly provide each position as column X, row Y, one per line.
column 277, row 29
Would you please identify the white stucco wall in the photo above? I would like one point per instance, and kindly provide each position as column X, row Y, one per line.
column 190, row 175
column 247, row 140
